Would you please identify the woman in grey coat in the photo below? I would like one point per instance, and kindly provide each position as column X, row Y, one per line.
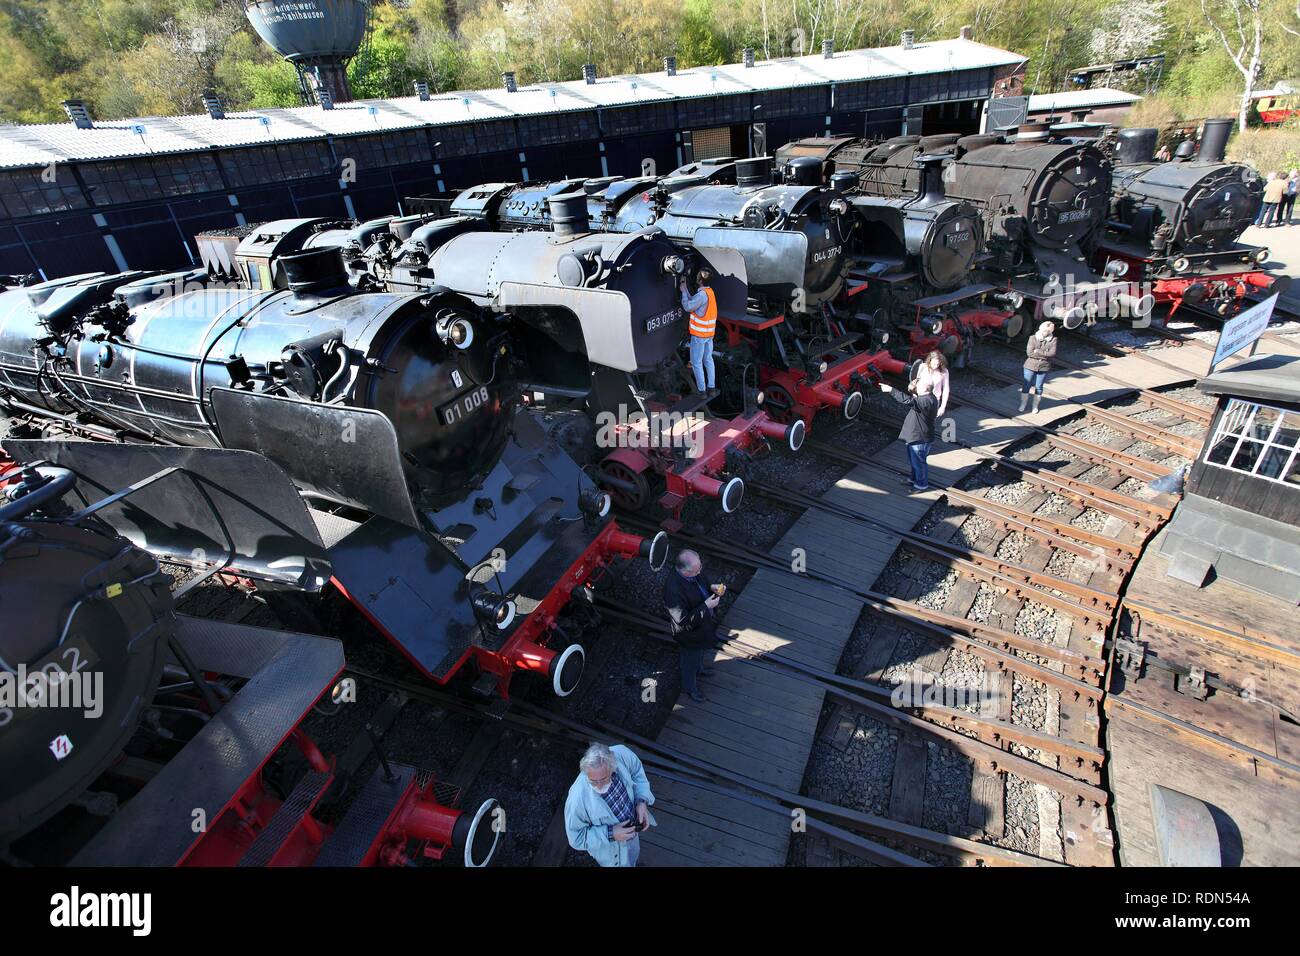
column 1040, row 350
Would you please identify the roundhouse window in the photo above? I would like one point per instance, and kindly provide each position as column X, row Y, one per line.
column 1258, row 440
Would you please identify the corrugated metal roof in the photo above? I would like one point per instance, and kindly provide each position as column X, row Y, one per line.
column 60, row 142
column 1081, row 99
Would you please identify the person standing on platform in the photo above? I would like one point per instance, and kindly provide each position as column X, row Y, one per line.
column 1274, row 190
column 1287, row 206
column 691, row 600
column 935, row 372
column 1039, row 352
column 918, row 428
column 702, row 321
column 608, row 806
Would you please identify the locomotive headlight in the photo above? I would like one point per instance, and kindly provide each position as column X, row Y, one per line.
column 674, row 265
column 1261, row 255
column 823, row 367
column 493, row 609
column 455, row 331
column 1181, row 264
column 758, row 398
column 838, row 206
column 1116, row 268
column 594, row 503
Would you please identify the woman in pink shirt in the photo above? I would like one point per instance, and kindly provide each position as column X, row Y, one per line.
column 935, row 371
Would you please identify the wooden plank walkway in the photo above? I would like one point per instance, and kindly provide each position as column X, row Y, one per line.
column 761, row 723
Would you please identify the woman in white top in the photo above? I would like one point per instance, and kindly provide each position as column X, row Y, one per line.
column 934, row 370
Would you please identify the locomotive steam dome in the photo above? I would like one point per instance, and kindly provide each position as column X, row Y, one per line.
column 313, row 33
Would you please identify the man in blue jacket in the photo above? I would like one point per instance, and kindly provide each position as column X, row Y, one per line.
column 609, row 805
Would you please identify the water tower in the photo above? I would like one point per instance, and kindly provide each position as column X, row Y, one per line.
column 318, row 37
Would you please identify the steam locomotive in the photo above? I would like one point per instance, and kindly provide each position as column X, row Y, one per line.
column 1043, row 200
column 391, row 418
column 1176, row 224
column 605, row 309
column 910, row 256
column 105, row 678
column 783, row 332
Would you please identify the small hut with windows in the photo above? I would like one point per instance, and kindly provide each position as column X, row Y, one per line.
column 1240, row 518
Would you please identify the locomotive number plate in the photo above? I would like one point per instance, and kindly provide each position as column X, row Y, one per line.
column 1218, row 224
column 955, row 239
column 1072, row 215
column 656, row 322
column 462, row 406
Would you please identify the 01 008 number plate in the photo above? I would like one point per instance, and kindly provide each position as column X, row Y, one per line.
column 462, row 406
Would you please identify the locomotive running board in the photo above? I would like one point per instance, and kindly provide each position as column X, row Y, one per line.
column 287, row 672
column 244, row 515
column 348, row 455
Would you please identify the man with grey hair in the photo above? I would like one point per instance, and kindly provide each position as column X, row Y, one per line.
column 691, row 600
column 609, row 805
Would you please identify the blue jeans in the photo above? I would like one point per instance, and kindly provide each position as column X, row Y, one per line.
column 702, row 361
column 692, row 664
column 916, row 454
column 1033, row 380
column 1266, row 214
column 633, row 850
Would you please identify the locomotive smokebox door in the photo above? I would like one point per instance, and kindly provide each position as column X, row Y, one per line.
column 348, row 455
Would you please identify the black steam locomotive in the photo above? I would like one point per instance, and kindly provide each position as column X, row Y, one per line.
column 911, row 257
column 1176, row 224
column 604, row 309
column 418, row 487
column 135, row 736
column 778, row 253
column 1043, row 200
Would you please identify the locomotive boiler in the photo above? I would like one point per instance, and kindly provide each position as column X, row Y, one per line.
column 99, row 667
column 1177, row 224
column 417, row 484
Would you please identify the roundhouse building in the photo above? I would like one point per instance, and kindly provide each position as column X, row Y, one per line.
column 131, row 194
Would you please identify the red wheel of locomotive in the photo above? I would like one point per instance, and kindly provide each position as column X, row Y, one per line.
column 778, row 403
column 629, row 489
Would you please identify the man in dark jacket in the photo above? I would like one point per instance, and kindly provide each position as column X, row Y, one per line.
column 692, row 601
column 918, row 429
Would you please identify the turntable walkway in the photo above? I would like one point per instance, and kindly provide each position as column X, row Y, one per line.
column 761, row 724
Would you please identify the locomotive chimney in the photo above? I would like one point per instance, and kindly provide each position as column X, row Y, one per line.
column 931, row 178
column 569, row 213
column 748, row 57
column 754, row 172
column 670, row 65
column 508, row 81
column 804, row 171
column 909, row 37
column 589, row 72
column 1033, row 132
column 828, row 49
column 1135, row 145
column 1214, row 141
column 967, row 32
column 315, row 271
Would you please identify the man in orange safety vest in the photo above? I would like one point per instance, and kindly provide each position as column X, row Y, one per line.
column 702, row 317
